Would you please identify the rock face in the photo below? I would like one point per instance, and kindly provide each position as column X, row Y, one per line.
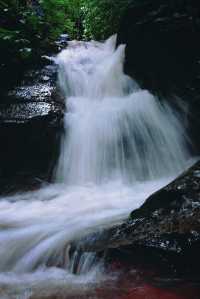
column 163, row 51
column 166, row 227
column 30, row 129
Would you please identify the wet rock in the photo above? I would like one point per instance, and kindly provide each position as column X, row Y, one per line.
column 165, row 229
column 31, row 121
column 17, row 113
column 163, row 51
column 62, row 42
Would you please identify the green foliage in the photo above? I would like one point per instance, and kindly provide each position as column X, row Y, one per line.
column 36, row 23
column 40, row 19
column 101, row 18
column 28, row 29
column 61, row 16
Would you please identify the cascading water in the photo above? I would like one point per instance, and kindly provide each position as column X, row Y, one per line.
column 114, row 129
column 120, row 145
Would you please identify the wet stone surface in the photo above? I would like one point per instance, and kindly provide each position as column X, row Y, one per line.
column 24, row 112
column 166, row 229
column 31, row 119
column 163, row 51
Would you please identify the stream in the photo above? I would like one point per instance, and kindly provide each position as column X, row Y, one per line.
column 120, row 145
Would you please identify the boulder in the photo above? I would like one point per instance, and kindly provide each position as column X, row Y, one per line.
column 163, row 51
column 165, row 228
column 31, row 117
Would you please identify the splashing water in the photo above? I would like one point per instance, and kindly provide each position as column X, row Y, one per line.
column 120, row 145
column 114, row 129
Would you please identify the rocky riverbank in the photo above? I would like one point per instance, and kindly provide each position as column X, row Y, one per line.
column 31, row 126
column 164, row 231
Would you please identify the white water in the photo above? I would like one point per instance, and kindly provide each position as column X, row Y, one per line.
column 114, row 129
column 121, row 144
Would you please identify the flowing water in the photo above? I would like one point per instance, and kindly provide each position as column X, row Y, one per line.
column 120, row 145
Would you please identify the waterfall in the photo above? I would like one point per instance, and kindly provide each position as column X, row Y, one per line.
column 120, row 145
column 113, row 128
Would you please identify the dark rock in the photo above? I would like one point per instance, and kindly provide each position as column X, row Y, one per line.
column 163, row 51
column 62, row 41
column 30, row 129
column 166, row 227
